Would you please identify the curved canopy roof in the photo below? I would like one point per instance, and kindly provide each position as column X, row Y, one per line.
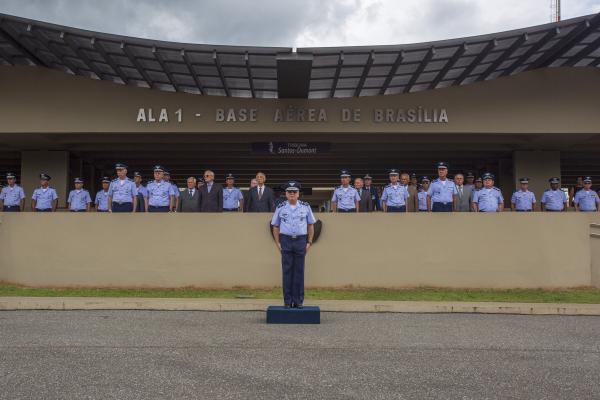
column 315, row 72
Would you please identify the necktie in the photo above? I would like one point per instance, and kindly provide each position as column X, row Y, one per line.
column 260, row 193
column 191, row 193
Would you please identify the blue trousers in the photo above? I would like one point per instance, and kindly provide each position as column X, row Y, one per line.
column 158, row 209
column 441, row 207
column 350, row 210
column 43, row 210
column 123, row 207
column 396, row 209
column 11, row 208
column 293, row 252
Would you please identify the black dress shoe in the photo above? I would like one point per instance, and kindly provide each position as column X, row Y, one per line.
column 287, row 305
column 300, row 306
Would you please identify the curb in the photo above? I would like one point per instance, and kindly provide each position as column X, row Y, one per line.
column 162, row 304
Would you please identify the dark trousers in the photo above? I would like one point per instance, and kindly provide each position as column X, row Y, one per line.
column 140, row 203
column 523, row 210
column 102, row 210
column 552, row 210
column 293, row 252
column 122, row 207
column 78, row 210
column 351, row 210
column 230, row 210
column 43, row 210
column 441, row 207
column 396, row 209
column 11, row 208
column 158, row 209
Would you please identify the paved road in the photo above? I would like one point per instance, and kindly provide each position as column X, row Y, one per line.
column 186, row 355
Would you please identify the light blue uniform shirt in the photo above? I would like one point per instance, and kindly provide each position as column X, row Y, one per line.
column 159, row 193
column 102, row 200
column 441, row 192
column 394, row 195
column 44, row 197
column 586, row 200
column 79, row 199
column 293, row 220
column 12, row 196
column 232, row 197
column 123, row 192
column 345, row 198
column 142, row 190
column 176, row 192
column 554, row 199
column 523, row 200
column 488, row 200
column 422, row 195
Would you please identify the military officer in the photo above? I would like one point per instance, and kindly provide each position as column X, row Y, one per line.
column 12, row 197
column 79, row 199
column 167, row 179
column 345, row 198
column 586, row 199
column 101, row 200
column 121, row 192
column 44, row 198
column 470, row 180
column 422, row 195
column 523, row 200
column 554, row 199
column 142, row 193
column 489, row 198
column 233, row 200
column 374, row 194
column 161, row 194
column 395, row 195
column 442, row 193
column 293, row 231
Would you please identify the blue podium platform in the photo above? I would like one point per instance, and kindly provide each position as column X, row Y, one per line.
column 282, row 315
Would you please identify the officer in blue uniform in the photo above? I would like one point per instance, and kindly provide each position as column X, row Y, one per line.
column 293, row 231
column 523, row 200
column 44, row 198
column 161, row 195
column 121, row 192
column 12, row 197
column 423, row 193
column 586, row 199
column 489, row 198
column 79, row 199
column 470, row 180
column 373, row 190
column 167, row 179
column 345, row 197
column 233, row 199
column 442, row 193
column 554, row 199
column 101, row 200
column 142, row 192
column 394, row 196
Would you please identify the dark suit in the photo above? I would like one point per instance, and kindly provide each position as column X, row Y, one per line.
column 264, row 204
column 464, row 200
column 211, row 201
column 366, row 202
column 189, row 203
column 374, row 199
column 412, row 203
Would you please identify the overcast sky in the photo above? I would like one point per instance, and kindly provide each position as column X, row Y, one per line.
column 296, row 23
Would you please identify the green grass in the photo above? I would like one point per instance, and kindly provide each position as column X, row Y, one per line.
column 581, row 295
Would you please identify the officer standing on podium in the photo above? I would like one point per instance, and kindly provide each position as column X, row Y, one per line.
column 293, row 231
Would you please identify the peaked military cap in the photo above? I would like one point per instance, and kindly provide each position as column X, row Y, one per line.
column 120, row 166
column 78, row 180
column 293, row 186
column 45, row 177
column 344, row 173
column 554, row 179
column 394, row 171
column 105, row 179
column 442, row 164
column 488, row 175
column 524, row 180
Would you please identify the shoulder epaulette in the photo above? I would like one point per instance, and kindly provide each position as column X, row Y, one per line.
column 283, row 203
column 495, row 188
column 304, row 203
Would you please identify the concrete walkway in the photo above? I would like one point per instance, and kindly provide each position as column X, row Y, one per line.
column 116, row 303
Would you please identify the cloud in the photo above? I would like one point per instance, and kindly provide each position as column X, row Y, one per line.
column 296, row 23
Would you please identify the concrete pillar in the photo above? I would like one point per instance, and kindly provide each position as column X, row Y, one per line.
column 54, row 163
column 538, row 166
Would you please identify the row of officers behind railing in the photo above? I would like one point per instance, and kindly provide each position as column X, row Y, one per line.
column 402, row 194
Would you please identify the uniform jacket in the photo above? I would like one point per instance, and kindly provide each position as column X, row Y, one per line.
column 210, row 201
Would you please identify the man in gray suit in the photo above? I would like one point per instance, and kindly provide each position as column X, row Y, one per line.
column 260, row 198
column 211, row 194
column 365, row 203
column 463, row 203
column 189, row 200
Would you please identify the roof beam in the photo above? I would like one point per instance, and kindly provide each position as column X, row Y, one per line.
column 486, row 50
column 505, row 54
column 583, row 53
column 366, row 70
column 98, row 47
column 188, row 63
column 218, row 65
column 137, row 65
column 336, row 77
column 457, row 54
column 73, row 46
column 419, row 70
column 249, row 71
column 392, row 72
column 17, row 45
column 532, row 50
column 49, row 46
column 566, row 43
column 163, row 65
column 6, row 57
